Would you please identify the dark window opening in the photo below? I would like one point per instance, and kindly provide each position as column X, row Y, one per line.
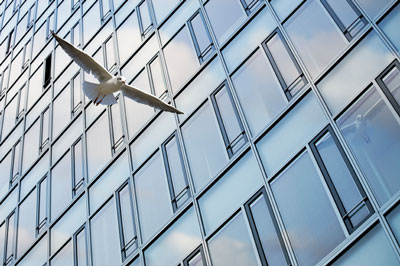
column 285, row 66
column 228, row 119
column 9, row 41
column 47, row 71
column 342, row 181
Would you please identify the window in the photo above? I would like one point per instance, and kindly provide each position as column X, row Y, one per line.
column 228, row 118
column 346, row 15
column 348, row 194
column 9, row 239
column 224, row 26
column 389, row 81
column 284, row 64
column 41, row 217
column 47, row 72
column 61, row 186
column 389, row 26
column 197, row 258
column 204, row 145
column 109, row 54
column 105, row 9
column 372, row 133
column 201, row 38
column 26, row 53
column 75, row 4
column 223, row 246
column 128, row 237
column 75, row 38
column 265, row 231
column 260, row 94
column 250, row 5
column 50, row 25
column 44, row 128
column 64, row 256
column 314, row 35
column 117, row 128
column 80, row 249
column 21, row 101
column 145, row 23
column 31, row 16
column 156, row 78
column 9, row 41
column 78, row 166
column 176, row 175
column 76, row 93
column 4, row 80
column 374, row 8
column 16, row 155
column 302, row 217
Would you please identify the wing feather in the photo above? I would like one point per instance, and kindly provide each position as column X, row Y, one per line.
column 145, row 98
column 84, row 60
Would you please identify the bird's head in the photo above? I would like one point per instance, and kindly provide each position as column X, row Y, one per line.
column 121, row 79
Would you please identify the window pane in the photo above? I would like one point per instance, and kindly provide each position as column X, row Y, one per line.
column 232, row 245
column 392, row 82
column 204, row 146
column 259, row 92
column 373, row 136
column 26, row 223
column 42, row 204
column 197, row 260
column 110, row 55
column 61, row 191
column 284, row 7
column 316, row 38
column 163, row 7
column 373, row 249
column 45, row 127
column 342, row 179
column 202, row 38
column 10, row 115
column 230, row 120
column 373, row 7
column 117, row 125
column 145, row 17
column 152, row 194
column 181, row 59
column 2, row 240
column 224, row 26
column 105, row 240
column 178, row 177
column 344, row 11
column 267, row 233
column 5, row 168
column 31, row 145
column 128, row 36
column 157, row 77
column 310, row 239
column 81, row 248
column 127, row 223
column 389, row 26
column 78, row 164
column 98, row 146
column 10, row 237
column 64, row 257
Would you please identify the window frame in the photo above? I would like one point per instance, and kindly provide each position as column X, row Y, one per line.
column 164, row 95
column 116, row 144
column 395, row 104
column 345, row 215
column 144, row 32
column 41, row 225
column 14, row 176
column 193, row 254
column 286, row 87
column 343, row 29
column 201, row 55
column 75, row 244
column 8, row 260
column 249, row 8
column 243, row 135
column 47, row 71
column 174, row 197
column 44, row 143
column 135, row 240
column 76, row 187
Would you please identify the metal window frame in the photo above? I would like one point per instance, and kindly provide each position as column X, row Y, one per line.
column 104, row 16
column 48, row 24
column 43, row 144
column 9, row 260
column 144, row 32
column 110, row 68
column 345, row 215
column 175, row 196
column 14, row 176
column 134, row 241
column 285, row 87
column 20, row 110
column 164, row 95
column 193, row 254
column 75, row 244
column 40, row 225
column 117, row 144
column 72, row 32
column 76, row 186
column 75, row 108
column 25, row 56
column 214, row 103
column 201, row 55
column 343, row 29
column 385, row 89
column 250, row 7
column 9, row 42
column 31, row 15
column 263, row 193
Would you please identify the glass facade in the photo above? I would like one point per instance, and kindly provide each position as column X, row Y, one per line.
column 287, row 154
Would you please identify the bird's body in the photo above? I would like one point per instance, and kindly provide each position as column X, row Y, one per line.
column 103, row 92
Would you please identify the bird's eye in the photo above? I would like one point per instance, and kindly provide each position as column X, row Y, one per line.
column 119, row 78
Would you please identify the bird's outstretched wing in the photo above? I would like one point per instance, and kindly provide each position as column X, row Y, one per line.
column 145, row 98
column 84, row 60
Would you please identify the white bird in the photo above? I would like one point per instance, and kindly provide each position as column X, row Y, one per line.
column 102, row 93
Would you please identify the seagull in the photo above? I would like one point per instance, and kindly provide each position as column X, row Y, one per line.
column 102, row 93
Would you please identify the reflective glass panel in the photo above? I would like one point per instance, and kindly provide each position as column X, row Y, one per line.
column 374, row 7
column 61, row 190
column 389, row 25
column 373, row 135
column 392, row 82
column 64, row 257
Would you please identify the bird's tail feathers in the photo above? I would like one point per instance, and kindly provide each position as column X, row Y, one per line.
column 90, row 89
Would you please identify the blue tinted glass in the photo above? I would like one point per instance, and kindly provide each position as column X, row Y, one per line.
column 284, row 7
column 374, row 7
column 373, row 135
column 390, row 26
column 392, row 82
